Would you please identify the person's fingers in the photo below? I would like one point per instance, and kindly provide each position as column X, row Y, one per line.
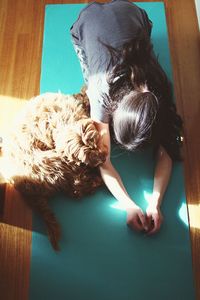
column 134, row 223
column 129, row 220
column 143, row 220
column 149, row 222
column 156, row 225
column 137, row 224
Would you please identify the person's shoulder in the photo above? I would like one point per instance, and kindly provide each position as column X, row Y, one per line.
column 104, row 132
column 101, row 125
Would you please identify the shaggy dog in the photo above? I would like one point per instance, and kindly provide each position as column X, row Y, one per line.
column 53, row 147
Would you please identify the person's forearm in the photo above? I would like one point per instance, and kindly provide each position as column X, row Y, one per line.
column 161, row 177
column 114, row 183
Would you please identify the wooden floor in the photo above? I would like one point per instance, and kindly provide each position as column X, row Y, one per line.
column 21, row 32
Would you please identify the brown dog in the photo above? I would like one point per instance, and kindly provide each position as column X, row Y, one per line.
column 53, row 147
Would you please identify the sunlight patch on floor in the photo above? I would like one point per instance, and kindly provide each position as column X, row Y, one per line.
column 194, row 215
column 9, row 107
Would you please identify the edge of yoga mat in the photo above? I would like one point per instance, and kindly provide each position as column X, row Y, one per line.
column 100, row 257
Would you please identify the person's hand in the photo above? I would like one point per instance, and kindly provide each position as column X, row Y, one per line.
column 136, row 219
column 154, row 219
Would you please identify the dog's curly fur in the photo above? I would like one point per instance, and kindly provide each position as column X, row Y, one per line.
column 54, row 147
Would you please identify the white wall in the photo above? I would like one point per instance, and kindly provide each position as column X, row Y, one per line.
column 197, row 2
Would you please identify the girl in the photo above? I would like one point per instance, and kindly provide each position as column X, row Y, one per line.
column 130, row 97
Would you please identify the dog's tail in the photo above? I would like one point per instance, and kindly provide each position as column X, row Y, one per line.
column 53, row 228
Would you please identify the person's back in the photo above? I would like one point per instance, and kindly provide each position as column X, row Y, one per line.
column 99, row 27
column 113, row 23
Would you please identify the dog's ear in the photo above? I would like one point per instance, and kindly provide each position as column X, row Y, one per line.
column 70, row 144
column 79, row 143
column 89, row 133
column 92, row 158
column 90, row 153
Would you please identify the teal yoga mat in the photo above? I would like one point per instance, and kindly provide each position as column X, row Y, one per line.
column 100, row 258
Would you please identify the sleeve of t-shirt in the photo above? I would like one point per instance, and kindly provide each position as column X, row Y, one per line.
column 96, row 91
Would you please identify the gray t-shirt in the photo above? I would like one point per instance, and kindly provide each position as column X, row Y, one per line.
column 113, row 23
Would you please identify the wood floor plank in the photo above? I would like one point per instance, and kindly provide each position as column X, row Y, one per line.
column 185, row 53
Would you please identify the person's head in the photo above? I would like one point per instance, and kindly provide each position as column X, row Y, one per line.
column 135, row 120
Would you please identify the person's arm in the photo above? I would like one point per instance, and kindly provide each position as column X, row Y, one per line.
column 161, row 179
column 135, row 216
